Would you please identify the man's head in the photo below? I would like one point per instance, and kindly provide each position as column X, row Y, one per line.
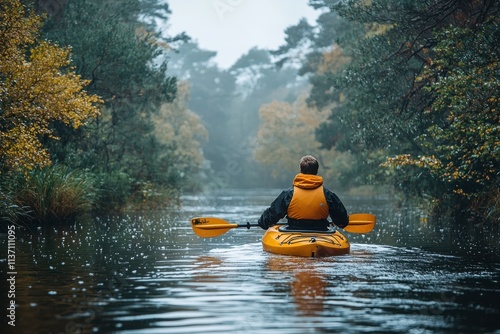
column 309, row 165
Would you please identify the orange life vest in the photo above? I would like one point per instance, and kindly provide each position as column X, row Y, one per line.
column 308, row 200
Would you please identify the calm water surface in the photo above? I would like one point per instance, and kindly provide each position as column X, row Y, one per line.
column 148, row 273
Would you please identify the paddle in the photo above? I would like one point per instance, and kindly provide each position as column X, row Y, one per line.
column 361, row 223
column 209, row 227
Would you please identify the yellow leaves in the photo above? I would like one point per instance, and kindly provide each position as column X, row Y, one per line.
column 375, row 29
column 459, row 192
column 52, row 95
column 287, row 132
column 282, row 137
column 16, row 28
column 36, row 91
column 176, row 124
column 398, row 160
column 429, row 162
column 333, row 61
column 21, row 150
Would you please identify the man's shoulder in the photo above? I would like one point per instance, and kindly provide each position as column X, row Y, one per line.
column 286, row 194
column 329, row 193
column 287, row 191
column 327, row 190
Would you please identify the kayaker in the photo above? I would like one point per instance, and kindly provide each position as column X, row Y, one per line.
column 307, row 204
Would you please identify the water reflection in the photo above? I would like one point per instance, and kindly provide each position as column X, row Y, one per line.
column 308, row 286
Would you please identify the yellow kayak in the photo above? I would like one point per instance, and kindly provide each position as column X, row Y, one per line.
column 278, row 240
column 281, row 240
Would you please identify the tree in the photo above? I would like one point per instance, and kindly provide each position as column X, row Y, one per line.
column 115, row 48
column 421, row 86
column 461, row 148
column 322, row 59
column 259, row 82
column 211, row 95
column 287, row 132
column 182, row 129
column 37, row 91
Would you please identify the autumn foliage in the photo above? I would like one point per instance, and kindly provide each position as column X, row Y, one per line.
column 287, row 132
column 37, row 89
column 182, row 129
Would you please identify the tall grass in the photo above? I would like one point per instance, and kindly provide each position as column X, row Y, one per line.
column 10, row 212
column 55, row 194
column 115, row 189
column 492, row 206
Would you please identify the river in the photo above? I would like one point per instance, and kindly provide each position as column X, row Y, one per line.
column 148, row 273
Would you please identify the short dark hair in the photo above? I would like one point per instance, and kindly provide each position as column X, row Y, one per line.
column 309, row 165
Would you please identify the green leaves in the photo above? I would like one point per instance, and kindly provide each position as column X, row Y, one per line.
column 115, row 47
column 421, row 84
column 466, row 86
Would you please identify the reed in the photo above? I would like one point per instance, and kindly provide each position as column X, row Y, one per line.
column 10, row 212
column 114, row 191
column 56, row 193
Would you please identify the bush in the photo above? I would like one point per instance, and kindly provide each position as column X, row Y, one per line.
column 148, row 196
column 115, row 189
column 58, row 194
column 488, row 205
column 55, row 193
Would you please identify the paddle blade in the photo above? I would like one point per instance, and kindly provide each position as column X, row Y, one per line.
column 209, row 227
column 361, row 223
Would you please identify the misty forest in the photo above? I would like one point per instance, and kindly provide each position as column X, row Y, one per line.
column 103, row 110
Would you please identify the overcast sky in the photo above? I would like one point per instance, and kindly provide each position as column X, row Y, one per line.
column 232, row 27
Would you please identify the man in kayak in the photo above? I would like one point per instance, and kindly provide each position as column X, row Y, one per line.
column 307, row 204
